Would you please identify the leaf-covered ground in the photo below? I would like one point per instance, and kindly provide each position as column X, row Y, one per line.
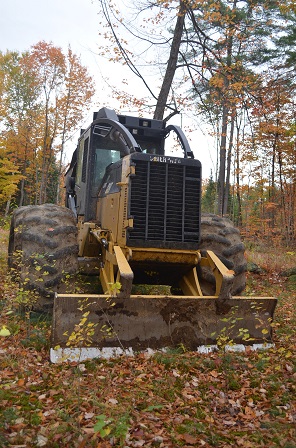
column 166, row 400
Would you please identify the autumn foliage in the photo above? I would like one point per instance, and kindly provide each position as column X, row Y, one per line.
column 44, row 94
column 230, row 65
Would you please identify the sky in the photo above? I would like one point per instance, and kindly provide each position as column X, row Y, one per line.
column 23, row 23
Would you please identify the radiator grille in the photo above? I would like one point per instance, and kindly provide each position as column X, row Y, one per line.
column 165, row 203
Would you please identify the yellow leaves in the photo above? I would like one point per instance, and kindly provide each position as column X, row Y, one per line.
column 115, row 288
column 4, row 332
column 164, row 3
column 72, row 337
column 9, row 176
column 83, row 331
column 288, row 354
column 53, row 91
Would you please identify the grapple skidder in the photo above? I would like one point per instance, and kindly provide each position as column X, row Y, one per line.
column 169, row 274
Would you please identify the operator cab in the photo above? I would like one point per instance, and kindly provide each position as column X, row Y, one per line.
column 104, row 143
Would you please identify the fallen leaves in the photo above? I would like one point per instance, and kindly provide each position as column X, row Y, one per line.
column 184, row 398
column 214, row 373
column 41, row 440
column 190, row 440
column 4, row 332
column 164, row 400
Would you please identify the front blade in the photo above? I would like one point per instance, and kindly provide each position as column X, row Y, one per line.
column 157, row 322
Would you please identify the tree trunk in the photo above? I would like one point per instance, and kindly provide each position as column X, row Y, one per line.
column 171, row 65
column 22, row 192
column 228, row 169
column 44, row 157
column 63, row 143
column 225, row 113
column 7, row 207
column 238, row 196
column 60, row 172
column 222, row 161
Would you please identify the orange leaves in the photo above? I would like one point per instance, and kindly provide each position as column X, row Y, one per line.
column 45, row 96
column 248, row 414
column 217, row 81
column 238, row 87
column 214, row 373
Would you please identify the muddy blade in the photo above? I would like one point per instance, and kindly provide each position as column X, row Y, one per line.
column 155, row 322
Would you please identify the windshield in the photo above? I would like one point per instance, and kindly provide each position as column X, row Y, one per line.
column 103, row 158
column 105, row 151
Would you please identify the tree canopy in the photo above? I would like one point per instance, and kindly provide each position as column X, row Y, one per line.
column 45, row 94
column 230, row 63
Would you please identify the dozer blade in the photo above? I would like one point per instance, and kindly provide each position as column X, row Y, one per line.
column 89, row 326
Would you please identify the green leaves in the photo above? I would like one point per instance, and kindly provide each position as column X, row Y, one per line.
column 155, row 407
column 102, row 426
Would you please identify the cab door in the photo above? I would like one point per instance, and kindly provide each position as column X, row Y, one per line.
column 82, row 175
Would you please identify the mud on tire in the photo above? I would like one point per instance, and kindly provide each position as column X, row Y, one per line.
column 220, row 236
column 43, row 249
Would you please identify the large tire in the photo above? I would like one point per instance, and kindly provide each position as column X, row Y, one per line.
column 43, row 250
column 220, row 236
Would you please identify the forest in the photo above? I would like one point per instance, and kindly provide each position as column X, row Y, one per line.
column 229, row 65
column 44, row 96
column 232, row 64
